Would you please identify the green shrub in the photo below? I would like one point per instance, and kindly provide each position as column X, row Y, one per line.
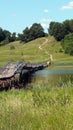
column 60, row 50
column 67, row 44
column 12, row 47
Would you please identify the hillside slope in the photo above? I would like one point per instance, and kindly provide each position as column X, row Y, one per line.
column 37, row 50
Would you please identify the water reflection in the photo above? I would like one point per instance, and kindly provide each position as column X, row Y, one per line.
column 55, row 77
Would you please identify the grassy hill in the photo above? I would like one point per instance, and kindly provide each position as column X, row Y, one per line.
column 17, row 51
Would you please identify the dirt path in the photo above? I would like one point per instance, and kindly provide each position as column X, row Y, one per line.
column 41, row 47
column 45, row 42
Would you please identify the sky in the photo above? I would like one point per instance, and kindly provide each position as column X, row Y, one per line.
column 16, row 15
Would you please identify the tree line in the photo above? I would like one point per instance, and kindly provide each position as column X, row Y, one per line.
column 28, row 34
column 63, row 32
column 6, row 37
column 60, row 30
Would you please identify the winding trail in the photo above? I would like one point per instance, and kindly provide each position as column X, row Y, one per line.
column 41, row 47
column 45, row 42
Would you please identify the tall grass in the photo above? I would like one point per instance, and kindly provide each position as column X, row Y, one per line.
column 39, row 108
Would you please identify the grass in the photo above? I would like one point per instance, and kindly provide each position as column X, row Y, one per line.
column 31, row 52
column 39, row 108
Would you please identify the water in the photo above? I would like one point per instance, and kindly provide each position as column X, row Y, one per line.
column 49, row 72
column 55, row 77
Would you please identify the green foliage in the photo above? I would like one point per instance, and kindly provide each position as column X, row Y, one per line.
column 2, row 35
column 5, row 41
column 60, row 30
column 36, row 31
column 56, row 29
column 61, row 50
column 12, row 47
column 29, row 34
column 6, row 37
column 50, row 30
column 67, row 44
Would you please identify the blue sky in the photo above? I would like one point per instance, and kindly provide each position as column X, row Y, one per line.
column 16, row 15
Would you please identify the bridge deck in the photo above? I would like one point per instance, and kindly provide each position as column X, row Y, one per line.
column 13, row 68
column 8, row 71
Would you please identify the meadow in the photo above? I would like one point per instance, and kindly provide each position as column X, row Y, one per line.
column 30, row 52
column 39, row 106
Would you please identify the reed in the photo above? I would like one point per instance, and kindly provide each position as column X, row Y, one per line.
column 40, row 108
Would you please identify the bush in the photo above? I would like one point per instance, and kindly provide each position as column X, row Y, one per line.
column 60, row 50
column 67, row 44
column 12, row 47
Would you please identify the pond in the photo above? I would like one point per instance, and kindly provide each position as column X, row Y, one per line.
column 55, row 77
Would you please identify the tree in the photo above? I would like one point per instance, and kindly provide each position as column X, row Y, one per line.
column 12, row 37
column 2, row 35
column 26, row 35
column 56, row 29
column 50, row 30
column 35, row 31
column 6, row 33
column 7, row 37
column 66, row 27
column 60, row 30
column 67, row 44
column 71, row 25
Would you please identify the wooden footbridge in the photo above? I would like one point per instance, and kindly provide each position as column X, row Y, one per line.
column 17, row 74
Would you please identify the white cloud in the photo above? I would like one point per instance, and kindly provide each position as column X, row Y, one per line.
column 44, row 25
column 30, row 26
column 46, row 10
column 68, row 6
column 46, row 20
